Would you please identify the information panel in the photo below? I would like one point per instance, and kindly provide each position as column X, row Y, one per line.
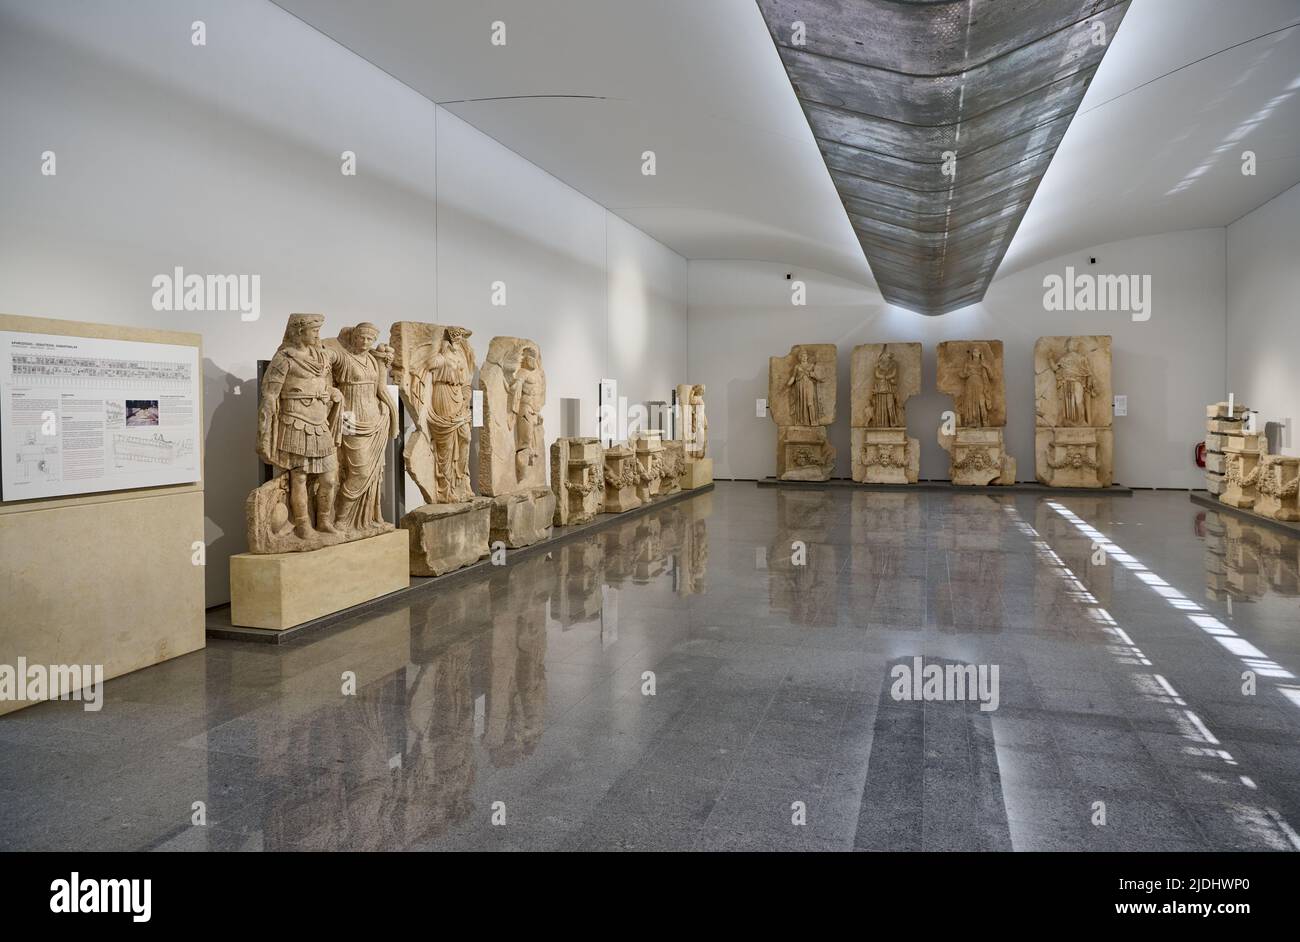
column 80, row 415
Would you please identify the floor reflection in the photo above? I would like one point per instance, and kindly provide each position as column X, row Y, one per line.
column 692, row 677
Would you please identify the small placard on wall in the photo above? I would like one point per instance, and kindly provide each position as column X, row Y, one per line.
column 1121, row 405
column 478, row 408
column 760, row 408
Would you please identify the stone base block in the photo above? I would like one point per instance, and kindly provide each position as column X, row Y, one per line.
column 804, row 454
column 1074, row 456
column 1214, row 483
column 698, row 473
column 885, row 456
column 978, row 457
column 445, row 537
column 281, row 590
column 522, row 518
column 1237, row 499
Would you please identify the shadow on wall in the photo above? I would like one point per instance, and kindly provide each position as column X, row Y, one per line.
column 230, row 469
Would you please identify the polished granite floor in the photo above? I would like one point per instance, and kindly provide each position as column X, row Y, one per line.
column 1121, row 629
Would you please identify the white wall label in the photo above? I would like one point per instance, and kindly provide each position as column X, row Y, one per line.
column 760, row 408
column 478, row 408
column 1121, row 405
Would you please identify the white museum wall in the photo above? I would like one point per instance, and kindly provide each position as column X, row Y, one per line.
column 1263, row 314
column 225, row 159
column 1169, row 366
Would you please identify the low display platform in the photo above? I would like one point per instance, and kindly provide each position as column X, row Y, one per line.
column 220, row 626
column 1021, row 487
column 1206, row 499
column 280, row 591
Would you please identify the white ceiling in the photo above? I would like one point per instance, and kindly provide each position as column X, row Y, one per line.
column 738, row 174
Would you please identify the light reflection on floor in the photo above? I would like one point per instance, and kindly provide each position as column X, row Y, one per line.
column 524, row 696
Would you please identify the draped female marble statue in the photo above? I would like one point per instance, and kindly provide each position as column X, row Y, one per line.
column 884, row 392
column 1074, row 385
column 444, row 371
column 369, row 422
column 804, row 380
column 974, row 405
column 299, row 428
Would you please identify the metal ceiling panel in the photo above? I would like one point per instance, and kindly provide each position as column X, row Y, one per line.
column 892, row 87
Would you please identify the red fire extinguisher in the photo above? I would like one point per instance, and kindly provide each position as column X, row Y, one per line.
column 1200, row 454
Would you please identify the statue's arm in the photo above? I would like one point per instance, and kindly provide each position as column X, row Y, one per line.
column 272, row 385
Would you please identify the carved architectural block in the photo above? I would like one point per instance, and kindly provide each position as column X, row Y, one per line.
column 577, row 478
column 622, row 475
column 801, row 396
column 674, row 467
column 884, row 377
column 1242, row 470
column 649, row 449
column 1279, row 476
column 1073, row 439
column 970, row 371
column 448, row 536
column 524, row 517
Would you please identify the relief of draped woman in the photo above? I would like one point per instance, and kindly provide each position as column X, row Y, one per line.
column 804, row 399
column 444, row 372
column 369, row 422
column 974, row 406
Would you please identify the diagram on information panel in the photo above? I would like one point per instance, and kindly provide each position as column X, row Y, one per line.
column 36, row 461
column 142, row 448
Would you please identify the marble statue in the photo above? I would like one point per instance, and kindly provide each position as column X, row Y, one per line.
column 801, row 398
column 512, row 457
column 1074, row 440
column 696, row 465
column 970, row 371
column 323, row 424
column 369, row 423
column 433, row 366
column 883, row 378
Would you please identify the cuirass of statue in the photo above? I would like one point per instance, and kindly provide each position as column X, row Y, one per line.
column 306, row 395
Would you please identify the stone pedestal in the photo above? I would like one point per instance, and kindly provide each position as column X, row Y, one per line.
column 1241, row 469
column 978, row 457
column 621, row 476
column 281, row 590
column 803, row 453
column 1074, row 457
column 1279, row 480
column 444, row 537
column 674, row 466
column 885, row 456
column 698, row 472
column 522, row 518
column 649, row 458
column 577, row 478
